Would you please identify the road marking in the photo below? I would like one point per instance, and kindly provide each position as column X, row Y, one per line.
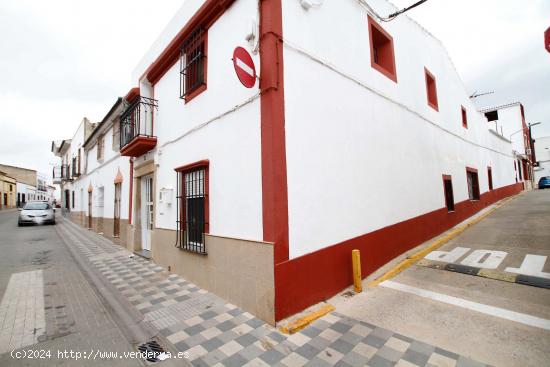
column 22, row 317
column 485, row 259
column 448, row 256
column 474, row 306
column 531, row 265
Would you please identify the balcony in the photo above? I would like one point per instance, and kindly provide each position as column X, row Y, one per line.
column 136, row 128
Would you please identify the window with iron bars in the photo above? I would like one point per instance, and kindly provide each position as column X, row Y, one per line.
column 192, row 208
column 193, row 63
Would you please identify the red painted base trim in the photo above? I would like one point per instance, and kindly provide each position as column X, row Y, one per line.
column 317, row 276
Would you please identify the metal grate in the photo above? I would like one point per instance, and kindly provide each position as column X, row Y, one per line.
column 151, row 351
column 137, row 120
column 191, row 207
column 192, row 63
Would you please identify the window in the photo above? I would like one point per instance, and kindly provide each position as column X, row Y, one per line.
column 431, row 90
column 464, row 117
column 490, row 177
column 381, row 50
column 473, row 183
column 519, row 170
column 448, row 190
column 193, row 65
column 491, row 115
column 72, row 199
column 192, row 201
column 100, row 144
column 116, row 135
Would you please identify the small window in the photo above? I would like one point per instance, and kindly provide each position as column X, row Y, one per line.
column 431, row 90
column 116, row 135
column 464, row 117
column 490, row 177
column 193, row 65
column 192, row 201
column 448, row 190
column 72, row 199
column 100, row 144
column 473, row 183
column 381, row 50
column 491, row 115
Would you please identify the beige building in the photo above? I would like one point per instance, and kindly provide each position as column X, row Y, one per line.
column 8, row 191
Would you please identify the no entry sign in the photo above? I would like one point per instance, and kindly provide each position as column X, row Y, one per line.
column 244, row 67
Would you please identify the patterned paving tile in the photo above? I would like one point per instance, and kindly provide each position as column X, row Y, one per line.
column 217, row 333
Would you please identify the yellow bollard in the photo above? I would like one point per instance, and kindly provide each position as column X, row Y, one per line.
column 356, row 260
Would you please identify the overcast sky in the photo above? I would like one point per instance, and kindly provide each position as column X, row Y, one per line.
column 62, row 60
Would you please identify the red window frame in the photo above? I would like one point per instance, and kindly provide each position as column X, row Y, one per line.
column 182, row 171
column 476, row 195
column 464, row 114
column 382, row 58
column 449, row 204
column 431, row 90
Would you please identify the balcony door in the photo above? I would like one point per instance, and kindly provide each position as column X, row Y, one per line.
column 146, row 212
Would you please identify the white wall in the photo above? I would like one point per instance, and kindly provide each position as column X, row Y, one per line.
column 511, row 122
column 359, row 160
column 231, row 143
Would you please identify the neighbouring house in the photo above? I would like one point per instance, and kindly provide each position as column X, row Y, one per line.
column 97, row 185
column 8, row 191
column 31, row 185
column 357, row 135
column 509, row 121
column 542, row 148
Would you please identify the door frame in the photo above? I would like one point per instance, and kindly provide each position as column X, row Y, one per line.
column 147, row 210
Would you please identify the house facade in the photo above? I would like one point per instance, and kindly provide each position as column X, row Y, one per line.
column 542, row 148
column 349, row 138
column 509, row 121
column 8, row 191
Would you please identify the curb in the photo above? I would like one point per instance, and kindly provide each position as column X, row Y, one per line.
column 410, row 260
column 302, row 322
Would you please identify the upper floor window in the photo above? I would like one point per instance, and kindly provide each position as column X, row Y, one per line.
column 381, row 50
column 464, row 117
column 116, row 135
column 100, row 148
column 193, row 65
column 431, row 90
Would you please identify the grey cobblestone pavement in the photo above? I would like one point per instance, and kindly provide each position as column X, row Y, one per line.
column 217, row 333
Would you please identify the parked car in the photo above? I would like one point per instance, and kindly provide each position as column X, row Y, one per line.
column 37, row 212
column 544, row 182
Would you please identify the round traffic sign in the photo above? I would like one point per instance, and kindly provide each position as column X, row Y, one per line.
column 244, row 67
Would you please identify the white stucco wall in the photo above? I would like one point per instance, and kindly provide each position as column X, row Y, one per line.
column 510, row 125
column 359, row 160
column 231, row 143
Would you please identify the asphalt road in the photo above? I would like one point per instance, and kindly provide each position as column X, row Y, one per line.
column 492, row 321
column 76, row 317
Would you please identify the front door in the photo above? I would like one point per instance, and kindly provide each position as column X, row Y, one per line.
column 116, row 229
column 90, row 209
column 146, row 212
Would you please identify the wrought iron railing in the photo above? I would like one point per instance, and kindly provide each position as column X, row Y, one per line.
column 137, row 120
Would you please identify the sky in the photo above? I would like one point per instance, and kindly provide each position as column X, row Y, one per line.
column 62, row 60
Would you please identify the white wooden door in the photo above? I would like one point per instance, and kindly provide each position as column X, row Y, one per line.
column 146, row 212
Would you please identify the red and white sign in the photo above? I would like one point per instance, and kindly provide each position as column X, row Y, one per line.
column 244, row 67
column 547, row 39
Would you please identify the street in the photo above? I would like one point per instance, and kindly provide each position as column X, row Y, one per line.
column 494, row 321
column 68, row 290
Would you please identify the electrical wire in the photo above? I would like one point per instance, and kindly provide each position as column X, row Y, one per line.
column 392, row 16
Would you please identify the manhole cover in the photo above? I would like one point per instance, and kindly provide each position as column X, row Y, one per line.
column 151, row 351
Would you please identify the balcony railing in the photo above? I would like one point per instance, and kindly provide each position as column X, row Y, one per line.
column 136, row 127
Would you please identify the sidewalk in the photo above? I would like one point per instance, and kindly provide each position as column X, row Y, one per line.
column 218, row 333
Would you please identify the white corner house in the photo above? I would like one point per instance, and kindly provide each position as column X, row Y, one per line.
column 264, row 141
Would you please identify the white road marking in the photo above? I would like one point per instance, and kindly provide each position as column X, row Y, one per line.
column 22, row 316
column 531, row 265
column 493, row 260
column 448, row 256
column 247, row 69
column 474, row 306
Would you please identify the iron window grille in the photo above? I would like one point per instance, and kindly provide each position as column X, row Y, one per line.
column 193, row 63
column 137, row 120
column 192, row 209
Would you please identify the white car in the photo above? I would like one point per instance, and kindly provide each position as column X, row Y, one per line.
column 37, row 212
